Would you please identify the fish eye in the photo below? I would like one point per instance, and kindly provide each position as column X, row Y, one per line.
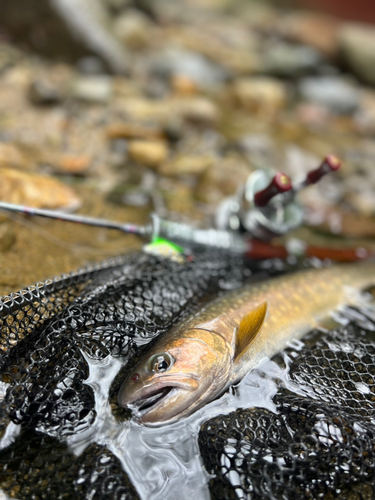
column 161, row 362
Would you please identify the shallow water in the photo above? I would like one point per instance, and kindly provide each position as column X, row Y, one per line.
column 164, row 462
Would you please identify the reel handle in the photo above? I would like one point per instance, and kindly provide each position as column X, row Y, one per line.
column 330, row 164
column 279, row 184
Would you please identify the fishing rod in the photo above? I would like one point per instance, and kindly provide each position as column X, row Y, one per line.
column 246, row 223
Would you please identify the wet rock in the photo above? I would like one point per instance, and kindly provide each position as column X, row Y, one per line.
column 182, row 85
column 174, row 129
column 317, row 30
column 90, row 65
column 134, row 29
column 260, row 95
column 197, row 109
column 337, row 94
column 187, row 165
column 149, row 153
column 69, row 29
column 146, row 110
column 288, row 60
column 35, row 190
column 357, row 43
column 132, row 131
column 96, row 89
column 7, row 236
column 73, row 164
column 43, row 93
column 192, row 65
column 236, row 56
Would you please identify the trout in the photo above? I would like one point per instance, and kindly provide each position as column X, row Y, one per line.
column 198, row 359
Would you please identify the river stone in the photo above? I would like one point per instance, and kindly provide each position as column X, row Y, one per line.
column 337, row 94
column 37, row 191
column 187, row 165
column 357, row 43
column 65, row 29
column 316, row 30
column 290, row 60
column 175, row 61
column 261, row 95
column 95, row 88
column 134, row 29
column 149, row 153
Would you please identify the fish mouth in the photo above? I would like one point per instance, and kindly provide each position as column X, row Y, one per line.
column 151, row 397
column 146, row 404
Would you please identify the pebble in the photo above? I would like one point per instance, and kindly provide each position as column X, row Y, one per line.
column 197, row 109
column 37, row 191
column 235, row 58
column 50, row 28
column 44, row 93
column 289, row 60
column 187, row 165
column 261, row 95
column 95, row 89
column 90, row 65
column 183, row 85
column 132, row 131
column 75, row 165
column 149, row 153
column 337, row 94
column 146, row 110
column 192, row 65
column 316, row 30
column 134, row 29
column 357, row 44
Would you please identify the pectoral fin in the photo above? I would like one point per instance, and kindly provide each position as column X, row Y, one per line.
column 249, row 328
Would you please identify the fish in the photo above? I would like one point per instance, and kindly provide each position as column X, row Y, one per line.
column 199, row 358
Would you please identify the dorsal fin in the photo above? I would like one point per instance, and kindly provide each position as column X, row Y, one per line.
column 250, row 326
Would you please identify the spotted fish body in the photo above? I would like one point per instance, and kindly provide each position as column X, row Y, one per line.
column 201, row 356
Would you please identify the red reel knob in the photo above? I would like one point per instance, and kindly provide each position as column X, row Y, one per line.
column 279, row 184
column 330, row 164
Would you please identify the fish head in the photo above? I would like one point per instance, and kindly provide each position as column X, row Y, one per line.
column 174, row 379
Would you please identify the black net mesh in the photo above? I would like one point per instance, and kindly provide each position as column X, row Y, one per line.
column 114, row 308
column 41, row 467
column 316, row 445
